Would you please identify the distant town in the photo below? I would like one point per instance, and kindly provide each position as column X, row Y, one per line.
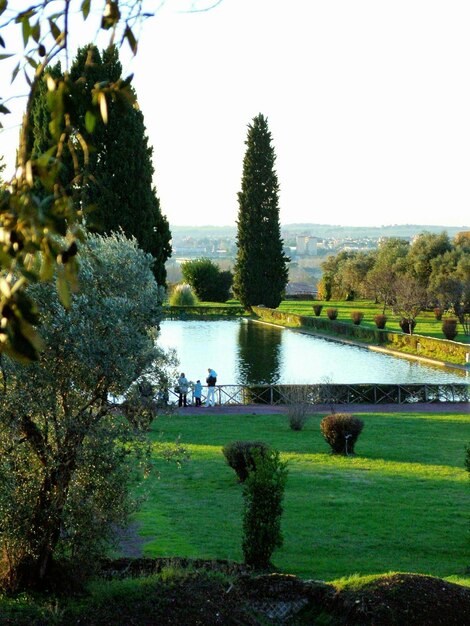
column 306, row 245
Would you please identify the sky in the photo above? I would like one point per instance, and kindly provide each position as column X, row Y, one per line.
column 368, row 104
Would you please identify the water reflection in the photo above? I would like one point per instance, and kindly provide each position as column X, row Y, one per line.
column 246, row 352
column 259, row 354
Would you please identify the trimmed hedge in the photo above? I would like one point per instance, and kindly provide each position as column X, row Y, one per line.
column 185, row 312
column 240, row 455
column 341, row 431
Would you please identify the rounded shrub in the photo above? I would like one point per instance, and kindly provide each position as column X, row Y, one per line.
column 341, row 431
column 332, row 313
column 317, row 308
column 183, row 295
column 449, row 328
column 240, row 456
column 357, row 317
column 407, row 325
column 380, row 321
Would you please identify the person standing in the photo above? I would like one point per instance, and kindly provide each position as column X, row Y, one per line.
column 183, row 387
column 197, row 392
column 211, row 381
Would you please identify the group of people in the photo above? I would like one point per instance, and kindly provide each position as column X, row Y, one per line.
column 183, row 387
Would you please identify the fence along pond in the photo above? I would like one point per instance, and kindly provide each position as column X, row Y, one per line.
column 338, row 394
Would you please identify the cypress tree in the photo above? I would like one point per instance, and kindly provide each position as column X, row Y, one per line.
column 260, row 270
column 117, row 182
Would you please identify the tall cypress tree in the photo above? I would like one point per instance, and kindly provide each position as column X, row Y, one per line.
column 260, row 270
column 118, row 176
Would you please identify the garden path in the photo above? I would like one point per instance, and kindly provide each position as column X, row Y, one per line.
column 266, row 409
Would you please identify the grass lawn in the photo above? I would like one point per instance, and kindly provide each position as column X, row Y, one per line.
column 426, row 323
column 402, row 504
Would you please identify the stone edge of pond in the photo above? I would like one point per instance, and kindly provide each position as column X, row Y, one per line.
column 369, row 346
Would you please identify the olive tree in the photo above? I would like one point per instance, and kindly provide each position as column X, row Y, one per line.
column 66, row 458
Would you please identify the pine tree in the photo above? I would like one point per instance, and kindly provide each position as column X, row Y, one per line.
column 260, row 270
column 117, row 181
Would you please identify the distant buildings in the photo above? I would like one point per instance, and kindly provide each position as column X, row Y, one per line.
column 306, row 246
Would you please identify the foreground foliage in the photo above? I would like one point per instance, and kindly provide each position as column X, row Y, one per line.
column 66, row 462
column 215, row 593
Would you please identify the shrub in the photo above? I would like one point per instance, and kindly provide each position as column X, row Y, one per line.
column 317, row 309
column 380, row 321
column 407, row 325
column 183, row 295
column 239, row 455
column 209, row 283
column 449, row 328
column 298, row 406
column 263, row 492
column 297, row 415
column 438, row 313
column 357, row 317
column 341, row 431
column 332, row 313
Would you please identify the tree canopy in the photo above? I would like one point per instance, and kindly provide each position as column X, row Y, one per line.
column 117, row 182
column 210, row 284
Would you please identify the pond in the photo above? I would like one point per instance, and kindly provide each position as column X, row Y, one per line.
column 248, row 353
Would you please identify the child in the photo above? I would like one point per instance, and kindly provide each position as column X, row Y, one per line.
column 197, row 392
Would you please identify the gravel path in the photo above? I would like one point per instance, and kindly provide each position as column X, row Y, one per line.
column 266, row 409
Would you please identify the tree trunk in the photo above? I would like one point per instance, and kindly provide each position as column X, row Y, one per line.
column 32, row 569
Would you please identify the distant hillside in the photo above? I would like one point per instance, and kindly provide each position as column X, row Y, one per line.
column 324, row 231
column 394, row 230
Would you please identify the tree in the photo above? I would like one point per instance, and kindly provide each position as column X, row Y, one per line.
column 41, row 234
column 65, row 458
column 353, row 274
column 210, row 284
column 117, row 181
column 410, row 299
column 449, row 283
column 331, row 280
column 426, row 247
column 261, row 273
column 263, row 493
column 380, row 285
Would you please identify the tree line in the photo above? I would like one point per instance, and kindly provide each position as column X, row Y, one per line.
column 432, row 271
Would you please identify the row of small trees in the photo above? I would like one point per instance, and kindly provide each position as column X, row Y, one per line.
column 433, row 271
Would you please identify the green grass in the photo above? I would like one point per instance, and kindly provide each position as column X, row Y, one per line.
column 426, row 323
column 402, row 504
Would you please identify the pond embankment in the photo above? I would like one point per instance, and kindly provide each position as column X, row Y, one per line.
column 436, row 351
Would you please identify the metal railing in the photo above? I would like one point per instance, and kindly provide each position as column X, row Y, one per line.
column 335, row 394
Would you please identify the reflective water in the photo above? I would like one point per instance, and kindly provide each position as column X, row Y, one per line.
column 245, row 352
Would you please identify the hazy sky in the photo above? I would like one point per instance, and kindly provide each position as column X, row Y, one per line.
column 368, row 102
